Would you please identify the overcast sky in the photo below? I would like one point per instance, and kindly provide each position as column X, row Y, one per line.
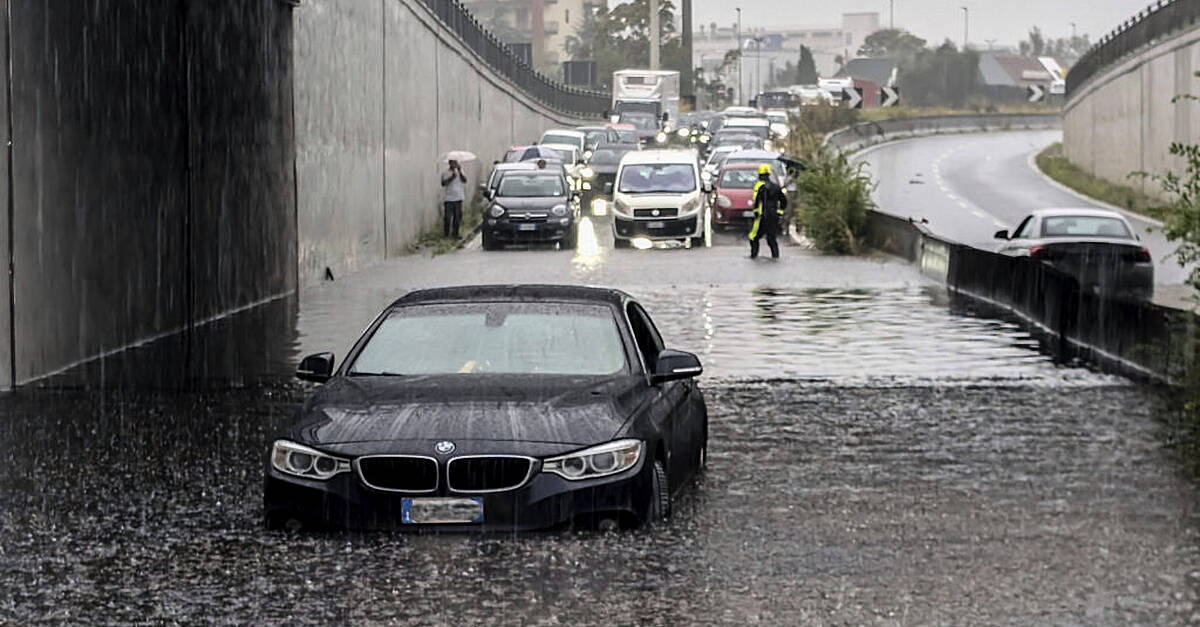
column 1006, row 21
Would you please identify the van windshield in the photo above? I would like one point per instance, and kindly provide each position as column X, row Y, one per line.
column 649, row 178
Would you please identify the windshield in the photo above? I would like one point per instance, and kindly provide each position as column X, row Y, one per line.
column 778, row 100
column 739, row 179
column 758, row 132
column 514, row 156
column 677, row 178
column 627, row 137
column 777, row 167
column 555, row 138
column 1084, row 226
column 495, row 338
column 643, row 121
column 596, row 137
column 531, row 185
column 607, row 156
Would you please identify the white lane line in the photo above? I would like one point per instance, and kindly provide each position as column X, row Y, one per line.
column 1032, row 162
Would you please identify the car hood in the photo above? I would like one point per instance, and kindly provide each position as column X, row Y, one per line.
column 739, row 197
column 552, row 410
column 655, row 201
column 513, row 203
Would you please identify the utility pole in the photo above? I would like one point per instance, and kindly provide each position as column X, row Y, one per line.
column 1072, row 31
column 892, row 14
column 738, row 36
column 966, row 23
column 688, row 79
column 655, row 35
column 757, row 66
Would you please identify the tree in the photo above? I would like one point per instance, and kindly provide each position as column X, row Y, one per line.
column 1035, row 46
column 1181, row 218
column 944, row 77
column 891, row 43
column 619, row 38
column 806, row 71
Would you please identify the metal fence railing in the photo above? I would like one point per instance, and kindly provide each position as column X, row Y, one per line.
column 501, row 58
column 1150, row 25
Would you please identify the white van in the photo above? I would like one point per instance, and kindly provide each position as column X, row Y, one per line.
column 658, row 195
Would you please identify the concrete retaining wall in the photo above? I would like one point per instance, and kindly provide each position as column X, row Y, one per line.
column 1123, row 120
column 383, row 89
column 864, row 134
column 152, row 181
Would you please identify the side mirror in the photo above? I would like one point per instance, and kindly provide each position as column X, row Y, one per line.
column 1001, row 234
column 608, row 188
column 666, row 116
column 316, row 368
column 675, row 366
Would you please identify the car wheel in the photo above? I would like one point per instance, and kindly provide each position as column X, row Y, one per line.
column 571, row 239
column 620, row 243
column 489, row 243
column 660, row 493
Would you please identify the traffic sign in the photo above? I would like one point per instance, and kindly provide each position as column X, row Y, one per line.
column 889, row 96
column 1036, row 93
column 853, row 97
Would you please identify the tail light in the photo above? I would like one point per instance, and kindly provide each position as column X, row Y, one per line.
column 1142, row 255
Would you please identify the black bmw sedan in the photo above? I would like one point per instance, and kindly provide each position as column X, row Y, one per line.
column 493, row 408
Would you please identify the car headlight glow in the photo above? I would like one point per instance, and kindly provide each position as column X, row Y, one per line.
column 587, row 173
column 705, row 138
column 587, row 154
column 683, row 132
column 559, row 210
column 496, row 211
column 301, row 461
column 597, row 461
column 621, row 208
column 599, row 207
column 723, row 201
column 661, row 137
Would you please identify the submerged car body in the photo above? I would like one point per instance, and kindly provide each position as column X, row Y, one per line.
column 524, row 407
column 1095, row 246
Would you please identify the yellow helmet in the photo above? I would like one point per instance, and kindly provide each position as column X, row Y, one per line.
column 764, row 169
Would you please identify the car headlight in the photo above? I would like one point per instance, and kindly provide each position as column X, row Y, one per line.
column 559, row 210
column 705, row 138
column 301, row 461
column 496, row 211
column 598, row 461
column 621, row 208
column 661, row 137
column 723, row 201
column 683, row 132
column 690, row 206
column 587, row 173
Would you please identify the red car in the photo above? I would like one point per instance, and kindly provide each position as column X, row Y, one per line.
column 734, row 194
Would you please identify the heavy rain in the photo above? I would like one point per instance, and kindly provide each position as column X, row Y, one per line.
column 907, row 417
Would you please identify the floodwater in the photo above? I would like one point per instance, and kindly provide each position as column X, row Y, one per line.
column 875, row 458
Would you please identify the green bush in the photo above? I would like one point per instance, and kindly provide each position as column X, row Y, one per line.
column 834, row 196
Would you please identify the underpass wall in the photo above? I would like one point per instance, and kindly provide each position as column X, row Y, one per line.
column 1123, row 120
column 383, row 89
column 152, row 184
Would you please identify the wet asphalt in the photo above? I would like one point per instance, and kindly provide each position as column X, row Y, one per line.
column 877, row 456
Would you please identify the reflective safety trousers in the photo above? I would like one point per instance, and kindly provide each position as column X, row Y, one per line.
column 770, row 202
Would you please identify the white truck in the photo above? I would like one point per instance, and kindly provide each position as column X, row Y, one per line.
column 646, row 99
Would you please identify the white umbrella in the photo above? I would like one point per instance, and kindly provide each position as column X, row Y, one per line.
column 460, row 156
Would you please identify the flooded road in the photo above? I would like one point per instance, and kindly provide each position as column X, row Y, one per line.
column 875, row 458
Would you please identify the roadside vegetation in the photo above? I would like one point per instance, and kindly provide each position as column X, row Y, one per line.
column 432, row 240
column 1054, row 164
column 833, row 195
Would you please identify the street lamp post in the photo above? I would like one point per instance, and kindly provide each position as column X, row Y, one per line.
column 966, row 23
column 655, row 34
column 757, row 66
column 892, row 14
column 738, row 36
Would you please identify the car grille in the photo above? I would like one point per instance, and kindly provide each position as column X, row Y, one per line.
column 488, row 474
column 399, row 473
column 649, row 213
column 527, row 217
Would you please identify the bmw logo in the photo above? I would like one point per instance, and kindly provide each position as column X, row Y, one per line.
column 445, row 447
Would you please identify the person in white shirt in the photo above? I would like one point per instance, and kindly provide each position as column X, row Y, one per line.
column 453, row 180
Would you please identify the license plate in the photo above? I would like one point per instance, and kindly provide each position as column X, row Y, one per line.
column 747, row 214
column 655, row 225
column 526, row 227
column 440, row 511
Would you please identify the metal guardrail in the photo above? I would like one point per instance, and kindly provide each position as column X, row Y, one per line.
column 863, row 134
column 501, row 58
column 1148, row 26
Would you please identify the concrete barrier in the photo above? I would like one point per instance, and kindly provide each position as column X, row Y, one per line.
column 1140, row 339
column 865, row 134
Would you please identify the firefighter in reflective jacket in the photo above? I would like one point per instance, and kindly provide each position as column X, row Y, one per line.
column 769, row 205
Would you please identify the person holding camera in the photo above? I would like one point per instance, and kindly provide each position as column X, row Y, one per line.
column 453, row 181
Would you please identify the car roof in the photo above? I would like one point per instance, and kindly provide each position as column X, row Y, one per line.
column 557, row 146
column 659, row 156
column 563, row 131
column 1078, row 211
column 740, row 165
column 515, row 165
column 753, row 154
column 524, row 293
